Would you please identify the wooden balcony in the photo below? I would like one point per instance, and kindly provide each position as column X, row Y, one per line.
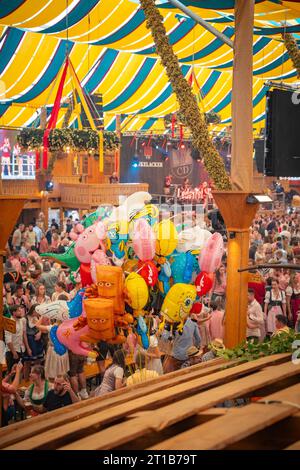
column 69, row 194
column 87, row 196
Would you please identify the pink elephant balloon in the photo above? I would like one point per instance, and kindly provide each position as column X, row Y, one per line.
column 143, row 240
column 70, row 338
column 211, row 256
column 89, row 241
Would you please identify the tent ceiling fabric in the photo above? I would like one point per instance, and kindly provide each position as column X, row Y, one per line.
column 113, row 54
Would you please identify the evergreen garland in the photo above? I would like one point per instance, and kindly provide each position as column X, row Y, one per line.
column 293, row 50
column 78, row 140
column 187, row 101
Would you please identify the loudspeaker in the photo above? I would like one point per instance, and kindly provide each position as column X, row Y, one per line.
column 259, row 154
column 282, row 155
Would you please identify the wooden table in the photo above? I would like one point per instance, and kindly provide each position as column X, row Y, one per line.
column 177, row 411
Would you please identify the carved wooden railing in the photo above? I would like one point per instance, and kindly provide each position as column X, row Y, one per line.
column 92, row 195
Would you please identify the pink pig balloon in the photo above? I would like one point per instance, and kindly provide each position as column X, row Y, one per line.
column 211, row 256
column 70, row 338
column 143, row 240
column 89, row 241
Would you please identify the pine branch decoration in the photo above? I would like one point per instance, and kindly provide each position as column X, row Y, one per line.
column 187, row 101
column 293, row 50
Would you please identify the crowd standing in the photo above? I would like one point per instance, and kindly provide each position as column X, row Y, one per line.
column 53, row 381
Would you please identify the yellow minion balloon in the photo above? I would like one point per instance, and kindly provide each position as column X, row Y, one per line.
column 137, row 292
column 178, row 304
column 166, row 238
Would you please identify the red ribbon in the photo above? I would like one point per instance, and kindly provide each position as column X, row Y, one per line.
column 54, row 115
column 173, row 125
column 181, row 134
column 37, row 159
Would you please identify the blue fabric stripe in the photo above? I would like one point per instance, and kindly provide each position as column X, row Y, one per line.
column 148, row 124
column 11, row 42
column 179, row 33
column 260, row 96
column 273, row 65
column 103, row 67
column 128, row 28
column 164, row 95
column 79, row 12
column 48, row 76
column 8, row 6
column 225, row 102
column 210, row 83
column 3, row 108
column 133, row 86
column 211, row 47
column 112, row 126
column 271, row 31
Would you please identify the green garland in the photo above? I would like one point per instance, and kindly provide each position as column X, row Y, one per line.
column 187, row 101
column 78, row 140
column 247, row 351
column 293, row 50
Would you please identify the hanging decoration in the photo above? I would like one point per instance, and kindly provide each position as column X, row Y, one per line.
column 293, row 50
column 187, row 101
column 53, row 118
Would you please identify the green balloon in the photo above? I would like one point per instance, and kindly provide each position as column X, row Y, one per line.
column 68, row 258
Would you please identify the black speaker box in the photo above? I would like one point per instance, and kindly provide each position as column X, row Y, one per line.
column 259, row 154
column 282, row 146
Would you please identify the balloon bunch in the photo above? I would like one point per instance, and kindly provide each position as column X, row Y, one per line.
column 127, row 259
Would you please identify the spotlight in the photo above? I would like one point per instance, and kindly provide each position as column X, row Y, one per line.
column 182, row 146
column 49, row 186
column 135, row 161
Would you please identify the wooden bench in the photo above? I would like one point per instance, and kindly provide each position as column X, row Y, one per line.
column 176, row 411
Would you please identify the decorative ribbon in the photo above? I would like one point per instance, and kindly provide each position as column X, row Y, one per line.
column 173, row 125
column 101, row 152
column 54, row 114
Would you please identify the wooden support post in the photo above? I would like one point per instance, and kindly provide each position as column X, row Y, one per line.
column 45, row 207
column 10, row 209
column 237, row 214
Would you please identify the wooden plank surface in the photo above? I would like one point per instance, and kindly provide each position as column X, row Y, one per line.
column 25, row 429
column 295, row 446
column 236, row 424
column 161, row 418
column 130, row 402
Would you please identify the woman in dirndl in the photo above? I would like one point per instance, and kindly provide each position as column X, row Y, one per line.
column 275, row 304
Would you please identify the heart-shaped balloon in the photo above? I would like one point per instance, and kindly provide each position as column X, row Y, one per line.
column 203, row 283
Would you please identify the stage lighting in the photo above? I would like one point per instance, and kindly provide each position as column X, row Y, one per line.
column 49, row 186
column 135, row 161
column 182, row 146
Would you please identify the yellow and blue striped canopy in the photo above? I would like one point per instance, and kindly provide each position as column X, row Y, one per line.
column 113, row 54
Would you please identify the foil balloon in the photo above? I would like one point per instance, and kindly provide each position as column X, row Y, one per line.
column 137, row 291
column 143, row 240
column 142, row 331
column 68, row 258
column 210, row 258
column 203, row 284
column 192, row 239
column 85, row 274
column 149, row 272
column 178, row 304
column 99, row 258
column 166, row 238
column 65, row 337
column 88, row 242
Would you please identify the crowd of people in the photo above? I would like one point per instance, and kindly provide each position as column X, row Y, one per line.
column 53, row 381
